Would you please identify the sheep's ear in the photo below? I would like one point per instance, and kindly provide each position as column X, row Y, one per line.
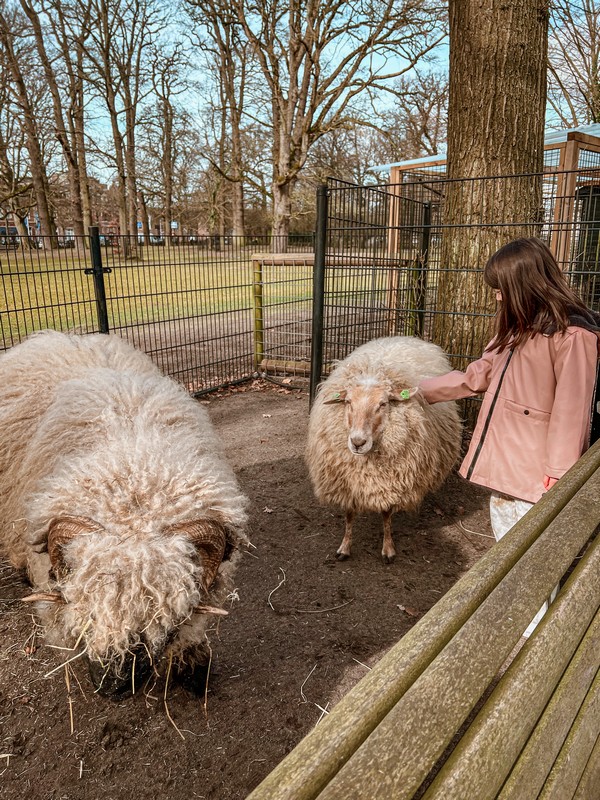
column 335, row 397
column 401, row 395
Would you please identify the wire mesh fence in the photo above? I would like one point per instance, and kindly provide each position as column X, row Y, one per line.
column 407, row 259
column 387, row 248
column 191, row 305
column 385, row 261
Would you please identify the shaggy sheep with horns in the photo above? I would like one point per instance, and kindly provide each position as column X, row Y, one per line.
column 372, row 444
column 116, row 499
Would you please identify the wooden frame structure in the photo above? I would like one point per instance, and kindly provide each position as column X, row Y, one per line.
column 565, row 156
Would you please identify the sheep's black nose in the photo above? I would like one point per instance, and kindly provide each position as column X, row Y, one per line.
column 358, row 441
column 116, row 679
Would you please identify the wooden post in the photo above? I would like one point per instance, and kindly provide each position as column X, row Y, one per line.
column 564, row 204
column 257, row 292
column 393, row 250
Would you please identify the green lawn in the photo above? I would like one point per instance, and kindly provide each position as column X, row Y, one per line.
column 40, row 289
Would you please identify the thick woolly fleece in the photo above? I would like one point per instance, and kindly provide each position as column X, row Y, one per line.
column 417, row 448
column 91, row 429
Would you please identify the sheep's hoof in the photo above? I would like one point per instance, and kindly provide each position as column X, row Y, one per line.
column 342, row 556
column 389, row 559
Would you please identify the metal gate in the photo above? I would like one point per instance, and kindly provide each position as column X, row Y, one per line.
column 379, row 256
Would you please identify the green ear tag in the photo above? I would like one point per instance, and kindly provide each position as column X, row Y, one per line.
column 335, row 396
column 405, row 394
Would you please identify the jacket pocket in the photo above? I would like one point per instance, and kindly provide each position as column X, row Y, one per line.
column 526, row 412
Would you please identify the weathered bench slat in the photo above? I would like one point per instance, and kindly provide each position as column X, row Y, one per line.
column 589, row 785
column 538, row 756
column 308, row 769
column 432, row 710
column 573, row 757
column 485, row 755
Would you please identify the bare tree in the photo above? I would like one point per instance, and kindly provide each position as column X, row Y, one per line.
column 16, row 189
column 69, row 21
column 167, row 84
column 316, row 59
column 121, row 36
column 17, row 57
column 16, row 195
column 574, row 61
column 64, row 120
column 165, row 132
column 495, row 127
column 416, row 124
column 348, row 153
column 228, row 57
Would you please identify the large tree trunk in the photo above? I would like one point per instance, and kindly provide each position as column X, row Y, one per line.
column 495, row 127
column 131, row 179
column 282, row 213
column 145, row 220
column 237, row 211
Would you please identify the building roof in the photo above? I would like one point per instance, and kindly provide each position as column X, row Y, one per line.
column 550, row 137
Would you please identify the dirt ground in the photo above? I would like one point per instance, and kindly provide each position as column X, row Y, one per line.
column 305, row 629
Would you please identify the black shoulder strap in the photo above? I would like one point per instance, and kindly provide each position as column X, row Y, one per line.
column 489, row 417
column 595, row 415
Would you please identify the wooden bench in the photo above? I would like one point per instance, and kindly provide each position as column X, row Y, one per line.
column 424, row 722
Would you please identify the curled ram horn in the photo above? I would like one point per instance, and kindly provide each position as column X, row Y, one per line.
column 60, row 531
column 209, row 539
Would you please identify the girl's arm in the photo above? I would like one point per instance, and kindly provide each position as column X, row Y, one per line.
column 455, row 385
column 568, row 431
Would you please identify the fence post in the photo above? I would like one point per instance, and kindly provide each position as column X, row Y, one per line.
column 257, row 291
column 316, row 350
column 423, row 266
column 97, row 270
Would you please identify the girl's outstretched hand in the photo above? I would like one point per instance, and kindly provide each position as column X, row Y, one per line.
column 549, row 482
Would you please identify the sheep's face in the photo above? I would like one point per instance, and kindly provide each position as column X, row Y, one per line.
column 126, row 598
column 366, row 414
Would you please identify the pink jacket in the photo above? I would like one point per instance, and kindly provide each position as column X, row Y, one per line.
column 538, row 422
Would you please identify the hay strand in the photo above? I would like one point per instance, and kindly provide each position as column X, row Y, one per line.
column 170, row 718
column 272, row 592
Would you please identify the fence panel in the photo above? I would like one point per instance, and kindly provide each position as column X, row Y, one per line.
column 283, row 313
column 214, row 310
column 188, row 306
column 44, row 285
column 386, row 264
column 189, row 303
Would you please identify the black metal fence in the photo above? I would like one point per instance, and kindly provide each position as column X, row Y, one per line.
column 209, row 310
column 216, row 310
column 380, row 261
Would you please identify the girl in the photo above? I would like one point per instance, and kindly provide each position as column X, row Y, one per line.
column 538, row 376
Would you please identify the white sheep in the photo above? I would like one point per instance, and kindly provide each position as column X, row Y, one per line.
column 116, row 499
column 371, row 450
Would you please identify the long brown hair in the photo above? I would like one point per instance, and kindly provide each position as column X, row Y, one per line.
column 536, row 297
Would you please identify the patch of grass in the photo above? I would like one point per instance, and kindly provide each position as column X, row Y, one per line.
column 49, row 289
column 40, row 289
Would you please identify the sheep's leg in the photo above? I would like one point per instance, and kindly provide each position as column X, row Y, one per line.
column 343, row 551
column 388, row 552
